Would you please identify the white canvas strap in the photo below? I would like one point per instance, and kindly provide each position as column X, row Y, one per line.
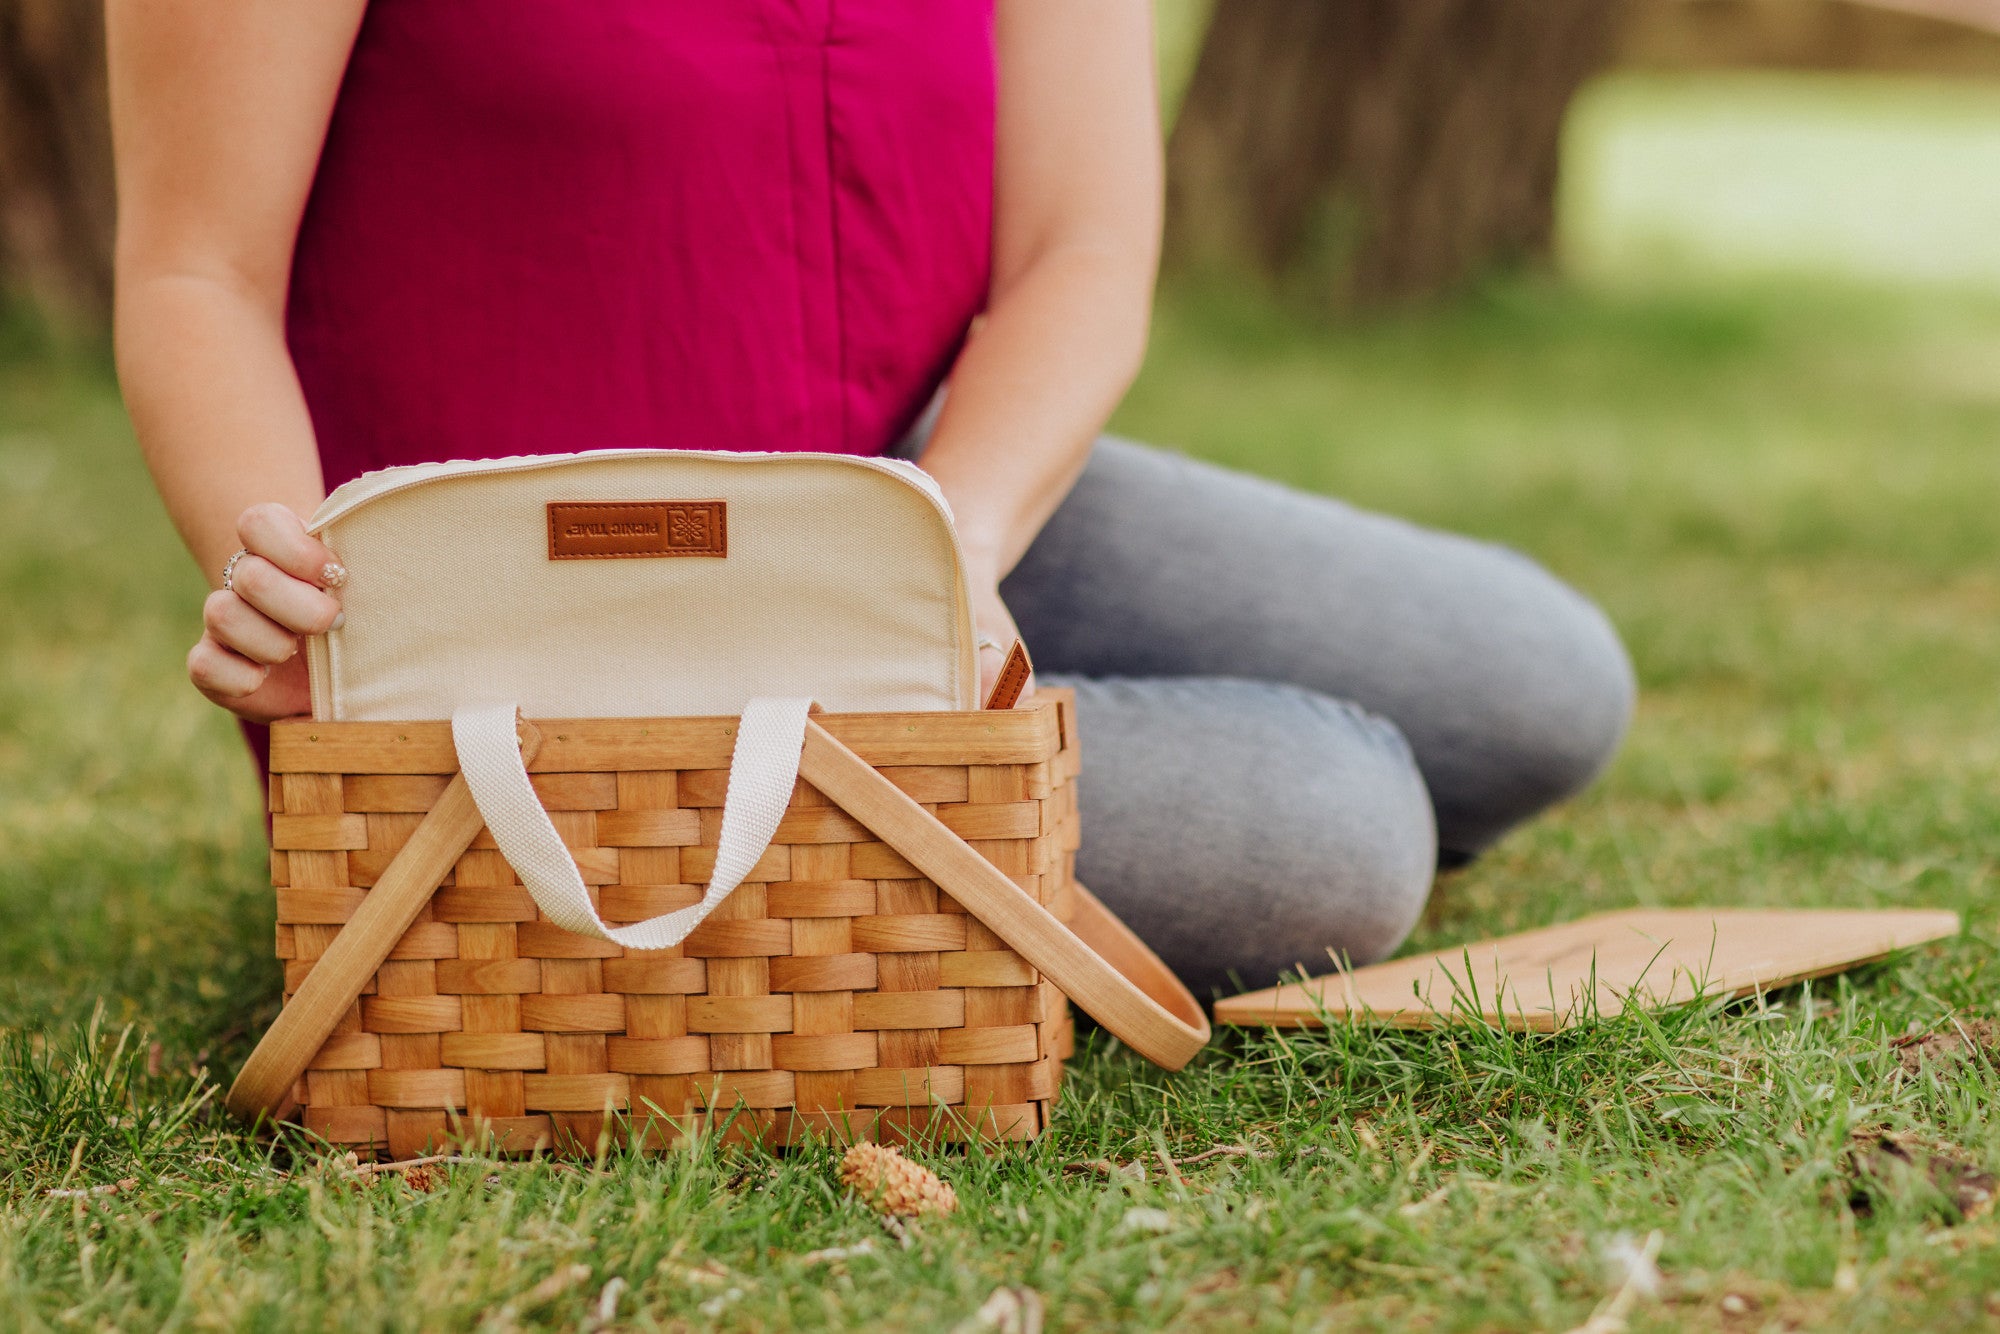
column 762, row 773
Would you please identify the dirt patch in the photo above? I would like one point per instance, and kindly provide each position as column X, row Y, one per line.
column 1897, row 1161
column 1956, row 1042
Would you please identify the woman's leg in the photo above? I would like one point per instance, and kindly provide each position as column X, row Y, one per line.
column 1512, row 689
column 1244, row 828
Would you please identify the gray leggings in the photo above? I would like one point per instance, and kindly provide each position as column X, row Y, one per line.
column 1292, row 709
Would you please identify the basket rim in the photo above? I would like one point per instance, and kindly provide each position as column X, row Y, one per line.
column 1028, row 734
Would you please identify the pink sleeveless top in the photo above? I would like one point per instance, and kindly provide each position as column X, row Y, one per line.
column 683, row 224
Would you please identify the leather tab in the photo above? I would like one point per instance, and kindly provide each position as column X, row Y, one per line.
column 630, row 529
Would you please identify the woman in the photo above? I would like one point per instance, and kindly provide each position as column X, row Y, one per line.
column 355, row 235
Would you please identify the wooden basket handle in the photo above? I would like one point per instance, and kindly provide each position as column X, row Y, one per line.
column 1121, row 984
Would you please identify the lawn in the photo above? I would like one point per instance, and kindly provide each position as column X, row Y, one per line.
column 1774, row 464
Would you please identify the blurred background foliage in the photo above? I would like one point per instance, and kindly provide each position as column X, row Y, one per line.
column 1344, row 153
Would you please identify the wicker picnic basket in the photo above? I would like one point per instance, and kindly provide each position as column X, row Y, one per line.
column 855, row 988
column 695, row 902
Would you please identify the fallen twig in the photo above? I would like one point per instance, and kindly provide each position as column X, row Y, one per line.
column 376, row 1169
column 1224, row 1151
column 1105, row 1167
column 87, row 1192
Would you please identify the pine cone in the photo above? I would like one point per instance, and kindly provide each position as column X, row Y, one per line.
column 894, row 1185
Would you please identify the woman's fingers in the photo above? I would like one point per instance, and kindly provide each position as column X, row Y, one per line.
column 236, row 625
column 247, row 689
column 221, row 674
column 274, row 532
column 248, row 659
column 300, row 607
column 284, row 569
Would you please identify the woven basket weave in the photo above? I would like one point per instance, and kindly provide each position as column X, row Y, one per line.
column 838, row 993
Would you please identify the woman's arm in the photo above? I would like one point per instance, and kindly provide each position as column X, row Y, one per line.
column 1076, row 248
column 218, row 112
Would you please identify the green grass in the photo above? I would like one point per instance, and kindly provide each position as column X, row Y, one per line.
column 1780, row 485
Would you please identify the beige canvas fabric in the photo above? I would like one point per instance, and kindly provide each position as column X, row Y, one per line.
column 842, row 581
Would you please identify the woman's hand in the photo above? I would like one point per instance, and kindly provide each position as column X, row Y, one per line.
column 248, row 660
column 997, row 632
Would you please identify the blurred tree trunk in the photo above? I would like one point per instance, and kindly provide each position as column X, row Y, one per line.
column 56, row 204
column 1367, row 152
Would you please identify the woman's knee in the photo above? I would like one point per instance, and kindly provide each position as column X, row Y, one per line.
column 1245, row 828
column 1548, row 715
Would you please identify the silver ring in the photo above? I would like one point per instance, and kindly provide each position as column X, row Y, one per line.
column 985, row 641
column 229, row 569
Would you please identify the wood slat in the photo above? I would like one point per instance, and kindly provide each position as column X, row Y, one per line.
column 427, row 940
column 823, row 1051
column 351, row 1125
column 739, row 1014
column 411, row 1014
column 349, row 1051
column 752, row 938
column 987, row 783
column 576, row 792
column 932, row 783
column 573, row 1014
column 909, row 1009
column 901, row 934
column 648, row 829
column 636, row 903
column 483, row 903
column 820, row 898
column 826, row 972
column 576, row 1093
column 702, row 787
column 489, row 977
column 329, row 906
column 648, row 974
column 318, row 833
column 896, row 1088
column 822, row 824
column 417, row 1088
column 312, row 793
column 546, row 940
column 411, row 794
column 417, row 1134
column 748, row 1088
column 988, row 1046
column 493, row 1051
column 879, row 861
column 606, row 745
column 517, row 1134
column 984, row 968
column 1020, row 819
column 657, row 1056
column 698, row 865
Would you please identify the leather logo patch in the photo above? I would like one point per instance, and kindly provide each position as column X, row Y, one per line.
column 631, row 529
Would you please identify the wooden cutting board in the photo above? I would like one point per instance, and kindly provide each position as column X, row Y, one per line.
column 1540, row 981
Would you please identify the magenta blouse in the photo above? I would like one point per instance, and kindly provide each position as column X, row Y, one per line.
column 686, row 224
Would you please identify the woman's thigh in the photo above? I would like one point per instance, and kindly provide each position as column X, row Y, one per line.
column 1243, row 828
column 1512, row 689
